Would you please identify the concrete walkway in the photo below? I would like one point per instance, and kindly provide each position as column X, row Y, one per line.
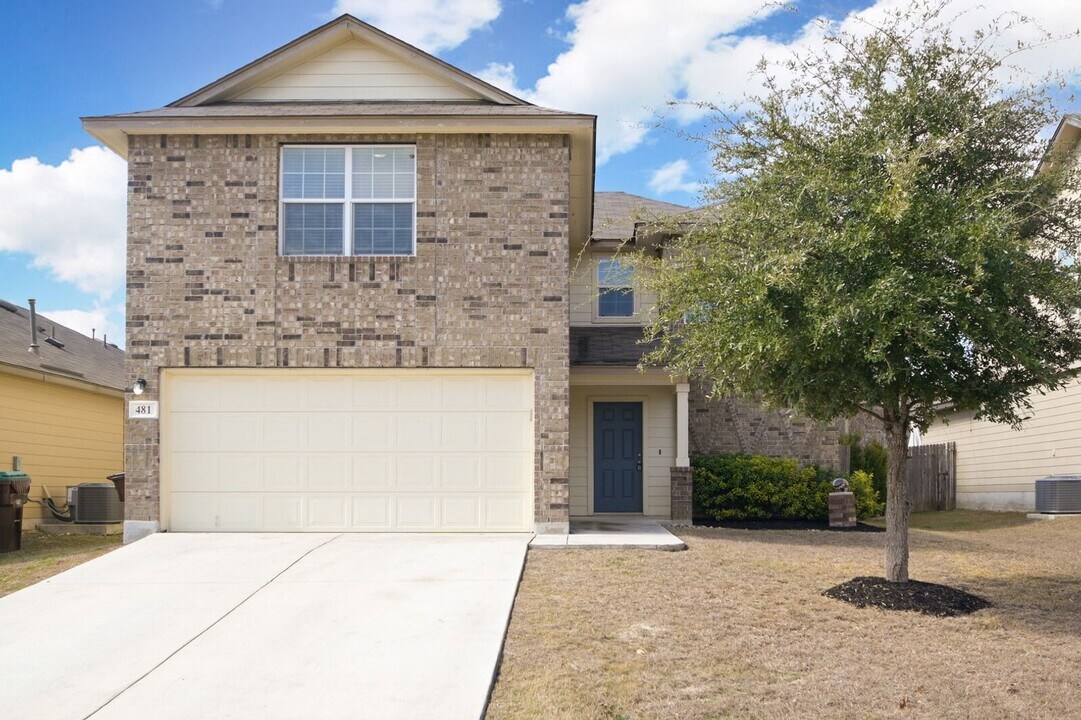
column 613, row 531
column 268, row 626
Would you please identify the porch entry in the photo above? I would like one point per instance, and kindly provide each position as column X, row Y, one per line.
column 617, row 457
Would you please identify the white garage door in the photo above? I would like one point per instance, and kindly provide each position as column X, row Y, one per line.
column 324, row 451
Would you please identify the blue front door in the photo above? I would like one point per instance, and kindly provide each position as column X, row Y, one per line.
column 617, row 457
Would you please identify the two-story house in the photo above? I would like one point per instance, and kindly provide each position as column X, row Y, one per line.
column 371, row 292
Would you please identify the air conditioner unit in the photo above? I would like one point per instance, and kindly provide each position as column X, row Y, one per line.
column 95, row 503
column 1059, row 494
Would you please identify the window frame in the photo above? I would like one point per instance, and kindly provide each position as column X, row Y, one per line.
column 348, row 201
column 598, row 258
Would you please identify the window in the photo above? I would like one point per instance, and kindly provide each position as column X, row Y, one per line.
column 348, row 200
column 615, row 296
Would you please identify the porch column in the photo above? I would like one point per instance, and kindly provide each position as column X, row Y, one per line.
column 681, row 471
column 683, row 456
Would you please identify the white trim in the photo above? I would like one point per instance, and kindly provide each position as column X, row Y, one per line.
column 632, row 320
column 683, row 456
column 591, row 400
column 347, row 201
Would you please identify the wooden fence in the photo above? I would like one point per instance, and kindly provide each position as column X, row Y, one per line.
column 932, row 477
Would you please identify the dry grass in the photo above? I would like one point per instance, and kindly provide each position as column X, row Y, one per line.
column 737, row 627
column 44, row 555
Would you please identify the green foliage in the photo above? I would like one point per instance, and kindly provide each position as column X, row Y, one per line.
column 868, row 457
column 878, row 240
column 868, row 500
column 754, row 487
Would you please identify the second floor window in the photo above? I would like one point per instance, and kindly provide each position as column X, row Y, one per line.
column 348, row 200
column 615, row 293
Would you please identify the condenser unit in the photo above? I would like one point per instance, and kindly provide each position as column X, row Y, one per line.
column 95, row 503
column 1059, row 494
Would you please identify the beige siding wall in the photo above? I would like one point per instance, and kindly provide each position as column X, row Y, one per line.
column 997, row 467
column 355, row 71
column 64, row 435
column 658, row 436
column 583, row 294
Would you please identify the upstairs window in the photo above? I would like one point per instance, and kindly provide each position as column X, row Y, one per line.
column 615, row 293
column 348, row 200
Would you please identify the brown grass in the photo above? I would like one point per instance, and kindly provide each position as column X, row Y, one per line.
column 737, row 627
column 44, row 555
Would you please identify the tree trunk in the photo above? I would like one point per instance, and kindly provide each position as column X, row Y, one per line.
column 897, row 502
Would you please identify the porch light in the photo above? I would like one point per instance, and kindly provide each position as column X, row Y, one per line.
column 138, row 387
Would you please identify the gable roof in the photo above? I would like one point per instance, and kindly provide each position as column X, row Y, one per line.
column 617, row 214
column 81, row 359
column 341, row 30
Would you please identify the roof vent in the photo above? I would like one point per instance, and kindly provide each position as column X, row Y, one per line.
column 54, row 342
column 8, row 306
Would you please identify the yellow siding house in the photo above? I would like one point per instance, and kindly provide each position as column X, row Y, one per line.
column 61, row 405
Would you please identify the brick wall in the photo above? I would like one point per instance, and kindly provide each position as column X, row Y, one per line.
column 734, row 425
column 487, row 288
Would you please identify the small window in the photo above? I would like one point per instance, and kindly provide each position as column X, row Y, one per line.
column 615, row 294
column 348, row 200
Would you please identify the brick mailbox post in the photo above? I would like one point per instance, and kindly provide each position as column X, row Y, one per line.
column 842, row 509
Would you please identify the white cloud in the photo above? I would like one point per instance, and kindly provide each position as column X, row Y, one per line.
column 70, row 217
column 672, row 177
column 625, row 62
column 92, row 323
column 431, row 25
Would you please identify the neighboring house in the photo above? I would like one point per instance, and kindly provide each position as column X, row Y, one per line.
column 373, row 292
column 61, row 405
column 997, row 466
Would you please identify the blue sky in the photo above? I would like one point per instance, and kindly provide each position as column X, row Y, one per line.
column 619, row 59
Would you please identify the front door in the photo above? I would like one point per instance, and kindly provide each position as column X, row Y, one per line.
column 617, row 457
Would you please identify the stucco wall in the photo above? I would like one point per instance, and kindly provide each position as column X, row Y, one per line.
column 487, row 288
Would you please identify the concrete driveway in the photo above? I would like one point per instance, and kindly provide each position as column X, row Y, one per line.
column 265, row 626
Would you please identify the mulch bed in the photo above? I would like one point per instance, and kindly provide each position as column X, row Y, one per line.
column 922, row 597
column 782, row 525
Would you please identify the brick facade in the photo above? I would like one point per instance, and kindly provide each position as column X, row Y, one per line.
column 488, row 286
column 734, row 425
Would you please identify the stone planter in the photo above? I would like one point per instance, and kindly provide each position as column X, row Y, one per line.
column 842, row 509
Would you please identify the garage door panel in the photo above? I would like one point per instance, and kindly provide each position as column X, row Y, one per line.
column 328, row 471
column 193, row 470
column 241, row 432
column 371, row 512
column 328, row 431
column 283, row 512
column 461, row 471
column 329, row 393
column 240, row 471
column 283, row 471
column 461, row 512
column 507, row 472
column 414, row 472
column 371, row 431
column 310, row 450
column 372, row 471
column 326, row 512
column 283, row 432
column 415, row 512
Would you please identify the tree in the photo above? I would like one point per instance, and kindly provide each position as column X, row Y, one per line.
column 880, row 241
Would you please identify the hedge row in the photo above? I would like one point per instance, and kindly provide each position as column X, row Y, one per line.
column 754, row 487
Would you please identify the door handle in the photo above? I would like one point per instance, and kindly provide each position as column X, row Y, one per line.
column 639, row 465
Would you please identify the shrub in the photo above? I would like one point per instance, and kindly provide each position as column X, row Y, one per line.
column 868, row 457
column 754, row 487
column 868, row 501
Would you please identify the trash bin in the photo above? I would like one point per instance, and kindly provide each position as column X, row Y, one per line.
column 14, row 490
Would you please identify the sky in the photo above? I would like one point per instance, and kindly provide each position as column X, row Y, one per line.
column 62, row 196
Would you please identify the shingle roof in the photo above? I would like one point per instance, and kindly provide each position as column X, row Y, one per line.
column 80, row 358
column 608, row 346
column 616, row 213
column 342, row 109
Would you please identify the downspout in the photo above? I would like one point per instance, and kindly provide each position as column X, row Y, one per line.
column 33, row 326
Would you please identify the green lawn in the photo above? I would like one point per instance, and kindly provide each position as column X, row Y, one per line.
column 43, row 556
column 962, row 520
